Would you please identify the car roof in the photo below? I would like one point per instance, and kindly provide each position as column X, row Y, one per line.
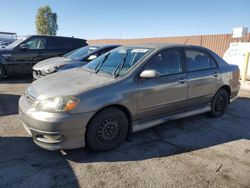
column 28, row 36
column 105, row 45
column 161, row 45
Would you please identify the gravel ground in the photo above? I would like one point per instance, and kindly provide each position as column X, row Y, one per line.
column 192, row 152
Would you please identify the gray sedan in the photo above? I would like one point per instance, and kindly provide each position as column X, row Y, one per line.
column 128, row 89
column 76, row 58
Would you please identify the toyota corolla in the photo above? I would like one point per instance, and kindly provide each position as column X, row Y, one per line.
column 128, row 89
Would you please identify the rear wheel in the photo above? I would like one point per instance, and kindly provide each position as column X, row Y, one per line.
column 2, row 72
column 219, row 103
column 107, row 130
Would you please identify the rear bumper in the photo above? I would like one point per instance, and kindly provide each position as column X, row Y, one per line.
column 54, row 131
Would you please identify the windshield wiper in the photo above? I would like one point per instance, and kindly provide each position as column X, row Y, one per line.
column 120, row 65
column 101, row 63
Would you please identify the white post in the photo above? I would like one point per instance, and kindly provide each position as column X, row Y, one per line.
column 245, row 67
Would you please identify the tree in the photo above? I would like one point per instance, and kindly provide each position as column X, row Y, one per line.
column 46, row 21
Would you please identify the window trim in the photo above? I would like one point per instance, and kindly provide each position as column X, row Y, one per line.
column 202, row 51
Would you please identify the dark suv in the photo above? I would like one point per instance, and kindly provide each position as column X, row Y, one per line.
column 21, row 55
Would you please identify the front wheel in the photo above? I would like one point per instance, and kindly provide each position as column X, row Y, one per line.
column 107, row 130
column 219, row 103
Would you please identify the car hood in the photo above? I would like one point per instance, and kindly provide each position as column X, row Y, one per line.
column 53, row 62
column 69, row 82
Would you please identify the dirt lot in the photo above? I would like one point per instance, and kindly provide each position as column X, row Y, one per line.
column 191, row 152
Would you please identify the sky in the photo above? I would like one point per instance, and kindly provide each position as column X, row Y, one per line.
column 121, row 19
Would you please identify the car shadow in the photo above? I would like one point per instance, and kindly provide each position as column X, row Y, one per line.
column 177, row 137
column 23, row 164
column 8, row 104
column 17, row 79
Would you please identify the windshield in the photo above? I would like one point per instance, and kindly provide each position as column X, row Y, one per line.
column 80, row 52
column 118, row 61
column 17, row 42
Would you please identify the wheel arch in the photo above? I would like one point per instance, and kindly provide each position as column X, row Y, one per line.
column 227, row 89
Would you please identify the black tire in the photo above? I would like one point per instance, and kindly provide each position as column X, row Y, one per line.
column 219, row 103
column 107, row 130
column 2, row 72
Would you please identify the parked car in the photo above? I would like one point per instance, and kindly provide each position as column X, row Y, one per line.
column 128, row 89
column 21, row 55
column 6, row 38
column 5, row 42
column 76, row 58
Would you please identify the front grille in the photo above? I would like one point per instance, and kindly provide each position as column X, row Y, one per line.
column 31, row 99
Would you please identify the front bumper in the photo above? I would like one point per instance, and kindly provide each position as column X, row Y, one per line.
column 36, row 74
column 39, row 74
column 54, row 131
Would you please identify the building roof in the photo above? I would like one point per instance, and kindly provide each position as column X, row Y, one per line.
column 10, row 33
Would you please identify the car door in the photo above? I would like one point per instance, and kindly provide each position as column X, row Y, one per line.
column 166, row 94
column 203, row 75
column 27, row 54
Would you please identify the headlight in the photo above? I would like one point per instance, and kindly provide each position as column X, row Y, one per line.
column 58, row 104
column 49, row 70
column 52, row 69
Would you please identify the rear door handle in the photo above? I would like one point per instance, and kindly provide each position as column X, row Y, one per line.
column 182, row 81
column 216, row 74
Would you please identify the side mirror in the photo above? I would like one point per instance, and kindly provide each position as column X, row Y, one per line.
column 150, row 73
column 92, row 57
column 23, row 46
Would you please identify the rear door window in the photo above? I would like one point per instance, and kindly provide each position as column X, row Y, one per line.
column 76, row 43
column 198, row 60
column 57, row 43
